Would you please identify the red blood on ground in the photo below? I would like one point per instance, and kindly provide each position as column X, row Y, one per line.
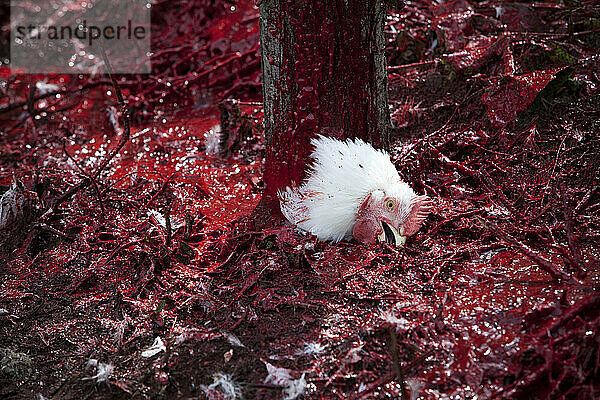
column 513, row 94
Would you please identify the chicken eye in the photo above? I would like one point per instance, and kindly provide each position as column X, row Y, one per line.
column 389, row 204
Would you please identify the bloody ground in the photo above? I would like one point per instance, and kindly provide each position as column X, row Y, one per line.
column 130, row 268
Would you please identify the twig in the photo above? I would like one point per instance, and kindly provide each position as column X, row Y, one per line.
column 500, row 195
column 124, row 138
column 372, row 387
column 390, row 375
column 461, row 168
column 89, row 273
column 413, row 65
column 117, row 250
column 30, row 100
column 168, row 223
column 87, row 175
column 64, row 197
column 162, row 188
column 526, row 250
column 571, row 239
column 427, row 137
column 124, row 111
column 397, row 367
column 585, row 200
column 198, row 75
column 50, row 229
column 189, row 220
column 592, row 302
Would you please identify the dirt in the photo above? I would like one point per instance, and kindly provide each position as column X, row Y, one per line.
column 495, row 107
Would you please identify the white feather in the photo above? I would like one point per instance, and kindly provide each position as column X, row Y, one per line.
column 156, row 348
column 223, row 387
column 212, row 140
column 342, row 175
column 294, row 388
column 103, row 371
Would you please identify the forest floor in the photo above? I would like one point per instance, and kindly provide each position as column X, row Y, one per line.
column 130, row 270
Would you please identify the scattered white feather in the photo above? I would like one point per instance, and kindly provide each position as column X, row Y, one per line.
column 227, row 356
column 103, row 371
column 277, row 376
column 212, row 140
column 44, row 88
column 185, row 336
column 390, row 317
column 223, row 386
column 158, row 217
column 293, row 388
column 120, row 328
column 15, row 205
column 113, row 118
column 414, row 386
column 10, row 203
column 232, row 339
column 342, row 175
column 195, row 334
column 353, row 356
column 433, row 45
column 312, row 348
column 156, row 348
column 499, row 11
column 176, row 223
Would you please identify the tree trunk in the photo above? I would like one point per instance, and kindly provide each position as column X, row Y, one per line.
column 324, row 72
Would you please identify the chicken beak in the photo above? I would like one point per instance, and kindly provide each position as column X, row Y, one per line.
column 391, row 235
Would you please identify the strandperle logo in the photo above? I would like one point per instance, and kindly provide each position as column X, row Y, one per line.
column 69, row 36
column 82, row 31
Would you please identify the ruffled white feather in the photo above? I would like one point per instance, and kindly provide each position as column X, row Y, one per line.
column 342, row 175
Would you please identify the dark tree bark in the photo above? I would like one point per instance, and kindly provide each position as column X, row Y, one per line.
column 324, row 72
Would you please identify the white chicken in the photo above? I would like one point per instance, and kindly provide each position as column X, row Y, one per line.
column 353, row 190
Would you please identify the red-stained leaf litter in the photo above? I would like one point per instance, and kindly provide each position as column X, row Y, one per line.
column 129, row 267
